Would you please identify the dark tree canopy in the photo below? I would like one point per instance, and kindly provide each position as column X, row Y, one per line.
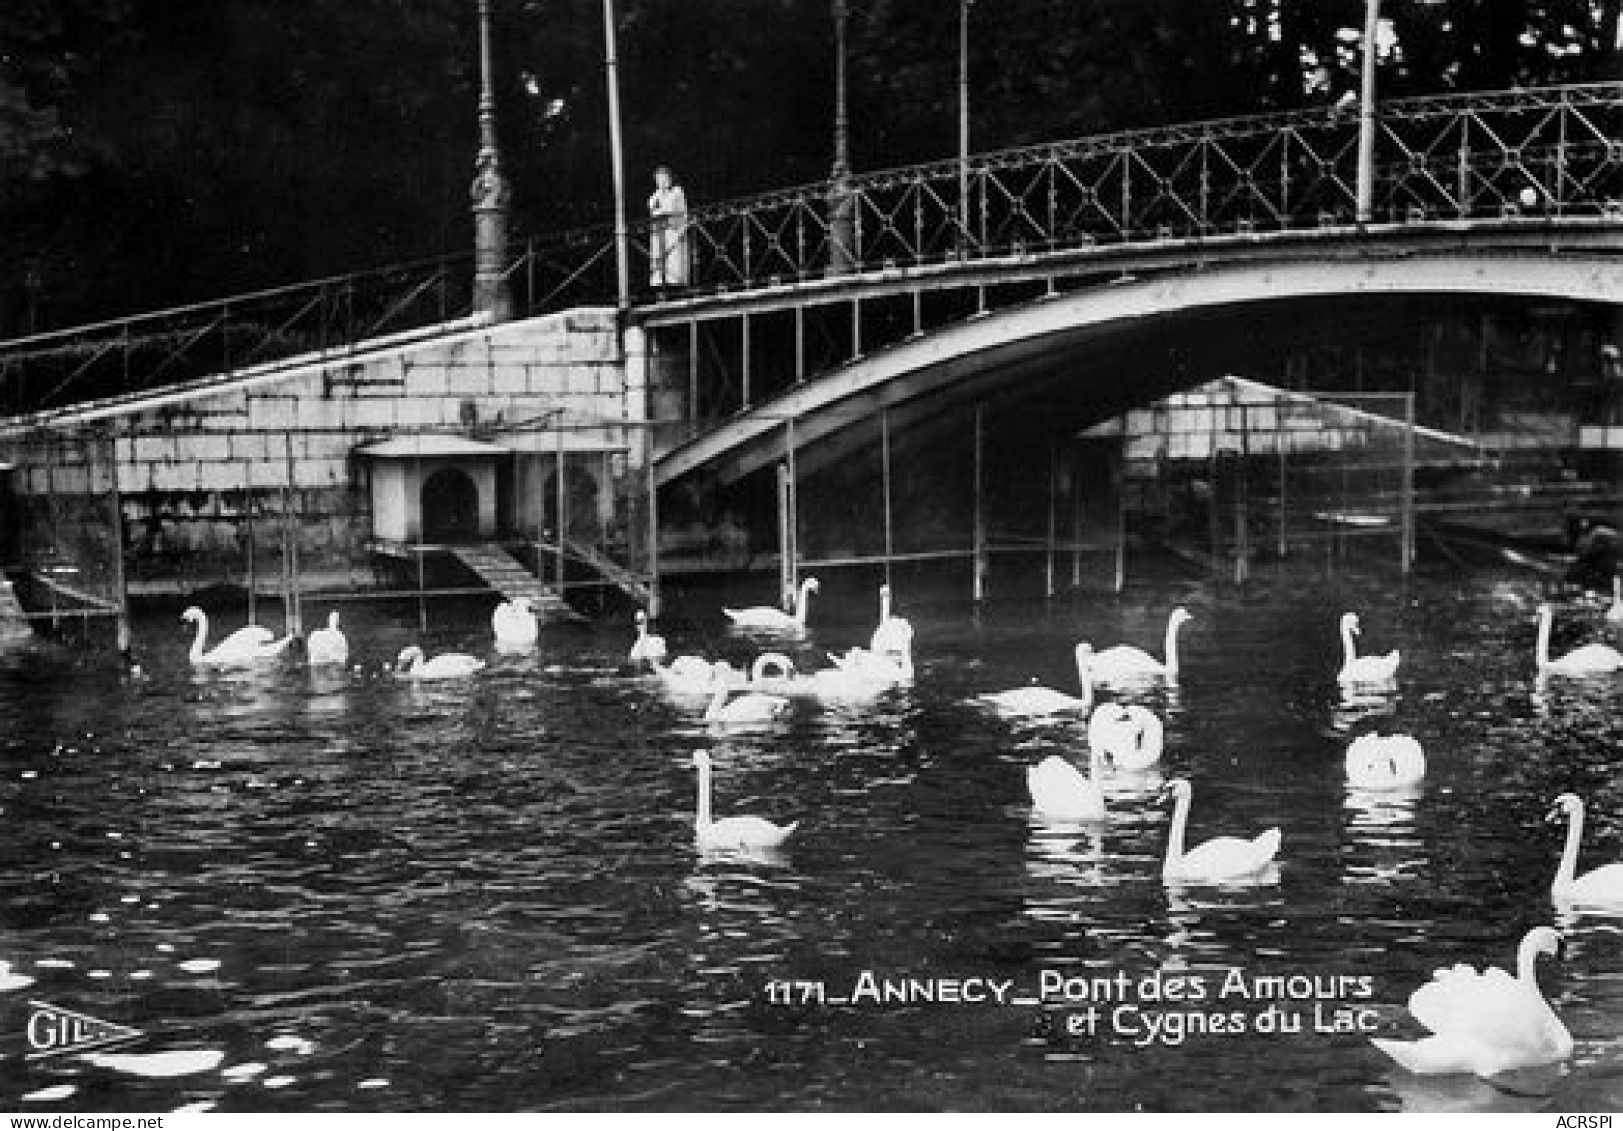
column 163, row 151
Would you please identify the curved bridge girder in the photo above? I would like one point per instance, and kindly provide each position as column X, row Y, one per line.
column 972, row 359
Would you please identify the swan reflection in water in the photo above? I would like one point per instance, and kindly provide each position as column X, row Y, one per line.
column 1469, row 1093
column 1382, row 823
column 1068, row 867
column 1358, row 703
column 1191, row 937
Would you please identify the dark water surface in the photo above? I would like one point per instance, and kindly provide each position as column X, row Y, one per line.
column 344, row 892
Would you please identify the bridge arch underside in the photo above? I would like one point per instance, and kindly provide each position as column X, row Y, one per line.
column 1038, row 375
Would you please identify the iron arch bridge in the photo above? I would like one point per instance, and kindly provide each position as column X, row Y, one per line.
column 826, row 272
column 1063, row 339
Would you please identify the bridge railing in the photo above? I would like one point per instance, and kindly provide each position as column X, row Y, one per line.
column 323, row 318
column 1546, row 152
column 1554, row 152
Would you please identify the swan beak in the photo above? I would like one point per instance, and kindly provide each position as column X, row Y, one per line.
column 1553, row 814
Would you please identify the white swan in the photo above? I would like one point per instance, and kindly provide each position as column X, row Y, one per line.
column 447, row 665
column 514, row 623
column 250, row 644
column 1363, row 669
column 1485, row 1023
column 1125, row 662
column 1217, row 860
column 894, row 634
column 1603, row 885
column 860, row 674
column 773, row 671
column 894, row 666
column 1614, row 613
column 10, row 981
column 1036, row 700
column 328, row 645
column 751, row 707
column 1131, row 735
column 1059, row 790
column 1377, row 761
column 647, row 646
column 732, row 832
column 1590, row 659
column 764, row 616
column 697, row 676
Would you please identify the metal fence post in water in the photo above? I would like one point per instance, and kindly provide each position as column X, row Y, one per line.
column 978, row 534
column 295, row 606
column 248, row 514
column 652, row 484
column 1053, row 520
column 884, row 471
column 788, row 519
column 115, row 500
column 1406, row 550
column 559, row 500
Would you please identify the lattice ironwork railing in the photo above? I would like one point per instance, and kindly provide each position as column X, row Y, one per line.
column 1492, row 157
column 1548, row 152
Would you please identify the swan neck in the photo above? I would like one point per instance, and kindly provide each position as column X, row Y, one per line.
column 1180, row 817
column 1569, row 853
column 198, row 638
column 1084, row 676
column 1171, row 646
column 701, row 818
column 884, row 603
column 802, row 600
column 1527, row 964
column 1545, row 616
column 1349, row 653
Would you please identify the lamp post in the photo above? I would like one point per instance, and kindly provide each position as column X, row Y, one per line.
column 490, row 194
column 622, row 256
column 841, row 225
column 1366, row 115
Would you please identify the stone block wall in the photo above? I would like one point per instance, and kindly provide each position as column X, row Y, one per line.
column 212, row 474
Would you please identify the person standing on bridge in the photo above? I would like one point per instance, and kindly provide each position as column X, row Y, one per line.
column 667, row 232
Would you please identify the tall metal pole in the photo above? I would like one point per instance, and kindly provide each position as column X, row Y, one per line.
column 490, row 195
column 963, row 119
column 622, row 253
column 841, row 228
column 1366, row 115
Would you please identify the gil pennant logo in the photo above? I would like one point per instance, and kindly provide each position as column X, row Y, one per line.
column 53, row 1031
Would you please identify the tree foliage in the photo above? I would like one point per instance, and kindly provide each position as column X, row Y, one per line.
column 160, row 151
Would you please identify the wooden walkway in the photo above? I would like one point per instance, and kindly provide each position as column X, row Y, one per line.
column 502, row 572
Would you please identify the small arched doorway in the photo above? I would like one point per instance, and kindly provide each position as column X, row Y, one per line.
column 581, row 503
column 450, row 507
